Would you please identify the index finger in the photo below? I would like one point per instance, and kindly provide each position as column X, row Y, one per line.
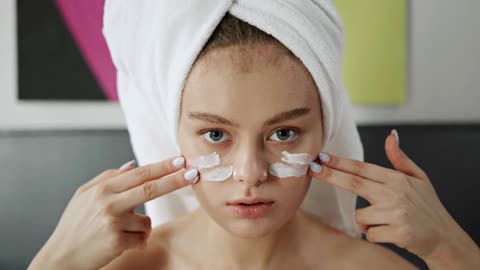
column 372, row 191
column 145, row 173
column 150, row 190
column 366, row 170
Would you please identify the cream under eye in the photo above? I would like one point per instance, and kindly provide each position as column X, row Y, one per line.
column 284, row 135
column 215, row 136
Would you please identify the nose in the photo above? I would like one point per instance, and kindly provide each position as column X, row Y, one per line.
column 250, row 167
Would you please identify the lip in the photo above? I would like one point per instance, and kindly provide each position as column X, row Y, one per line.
column 250, row 207
column 250, row 201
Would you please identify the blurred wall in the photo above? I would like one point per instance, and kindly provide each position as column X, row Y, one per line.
column 444, row 67
column 42, row 170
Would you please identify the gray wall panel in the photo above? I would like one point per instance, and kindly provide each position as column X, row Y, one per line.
column 42, row 170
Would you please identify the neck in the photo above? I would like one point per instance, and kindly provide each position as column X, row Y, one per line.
column 249, row 253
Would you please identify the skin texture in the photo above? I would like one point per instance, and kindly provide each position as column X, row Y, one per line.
column 247, row 92
column 249, row 89
column 405, row 209
column 249, row 97
column 99, row 223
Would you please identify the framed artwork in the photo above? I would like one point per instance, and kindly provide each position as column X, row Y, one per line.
column 376, row 50
column 61, row 75
column 58, row 73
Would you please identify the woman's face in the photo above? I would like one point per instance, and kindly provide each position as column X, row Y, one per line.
column 249, row 109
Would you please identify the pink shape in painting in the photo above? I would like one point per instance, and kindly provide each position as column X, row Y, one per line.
column 84, row 20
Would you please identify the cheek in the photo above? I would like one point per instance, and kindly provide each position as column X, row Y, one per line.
column 311, row 144
column 189, row 146
column 192, row 144
column 291, row 192
column 298, row 185
column 312, row 139
column 208, row 193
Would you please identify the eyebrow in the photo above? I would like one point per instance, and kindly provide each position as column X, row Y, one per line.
column 281, row 117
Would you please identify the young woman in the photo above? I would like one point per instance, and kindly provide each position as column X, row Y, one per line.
column 248, row 98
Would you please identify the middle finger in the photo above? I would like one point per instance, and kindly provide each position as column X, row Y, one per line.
column 145, row 173
column 150, row 190
column 372, row 191
column 366, row 170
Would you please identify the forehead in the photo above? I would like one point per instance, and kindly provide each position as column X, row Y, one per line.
column 249, row 84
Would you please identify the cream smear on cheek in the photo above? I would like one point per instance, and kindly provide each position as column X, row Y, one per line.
column 296, row 165
column 211, row 161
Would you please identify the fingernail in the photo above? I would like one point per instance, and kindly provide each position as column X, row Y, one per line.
column 316, row 168
column 191, row 174
column 179, row 161
column 395, row 133
column 195, row 180
column 324, row 157
column 126, row 165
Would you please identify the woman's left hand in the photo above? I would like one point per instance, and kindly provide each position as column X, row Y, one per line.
column 405, row 209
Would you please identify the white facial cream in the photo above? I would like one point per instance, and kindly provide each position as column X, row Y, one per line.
column 300, row 158
column 211, row 161
column 283, row 170
column 218, row 174
column 206, row 161
column 297, row 165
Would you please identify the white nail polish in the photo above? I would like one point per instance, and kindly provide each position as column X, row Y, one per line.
column 191, row 174
column 196, row 180
column 324, row 157
column 395, row 133
column 316, row 168
column 127, row 164
column 179, row 161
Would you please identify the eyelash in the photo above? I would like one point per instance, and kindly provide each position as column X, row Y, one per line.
column 203, row 133
column 297, row 132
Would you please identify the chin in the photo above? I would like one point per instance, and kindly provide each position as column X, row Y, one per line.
column 252, row 228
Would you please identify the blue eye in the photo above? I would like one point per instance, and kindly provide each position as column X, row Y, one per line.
column 283, row 135
column 215, row 136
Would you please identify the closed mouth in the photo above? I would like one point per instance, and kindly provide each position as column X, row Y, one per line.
column 252, row 203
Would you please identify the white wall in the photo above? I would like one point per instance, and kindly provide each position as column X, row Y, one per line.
column 444, row 75
column 444, row 66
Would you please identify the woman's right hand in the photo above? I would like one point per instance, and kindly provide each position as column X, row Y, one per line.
column 99, row 222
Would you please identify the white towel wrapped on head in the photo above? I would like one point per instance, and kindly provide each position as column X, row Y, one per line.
column 154, row 43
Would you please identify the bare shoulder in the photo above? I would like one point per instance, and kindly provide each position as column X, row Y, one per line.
column 345, row 252
column 167, row 248
column 154, row 256
column 373, row 256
